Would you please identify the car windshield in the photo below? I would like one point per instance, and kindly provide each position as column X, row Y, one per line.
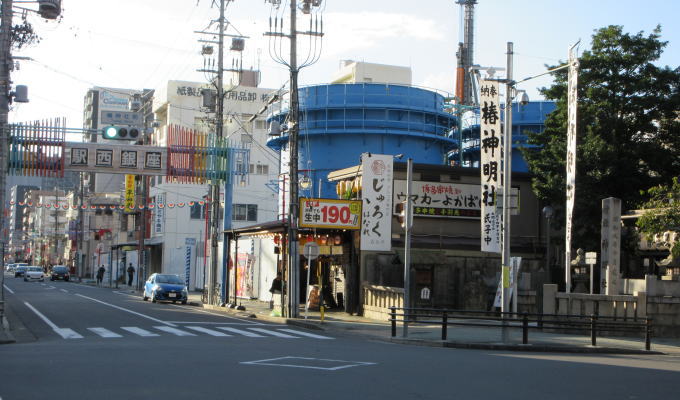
column 58, row 269
column 34, row 269
column 22, row 268
column 173, row 279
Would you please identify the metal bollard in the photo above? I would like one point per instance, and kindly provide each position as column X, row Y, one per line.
column 445, row 323
column 525, row 328
column 593, row 329
column 393, row 313
column 648, row 334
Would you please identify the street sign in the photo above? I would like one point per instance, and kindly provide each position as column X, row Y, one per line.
column 591, row 257
column 311, row 251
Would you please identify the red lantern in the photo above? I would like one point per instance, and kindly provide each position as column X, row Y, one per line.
column 337, row 240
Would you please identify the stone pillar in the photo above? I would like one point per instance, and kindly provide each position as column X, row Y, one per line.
column 641, row 305
column 549, row 298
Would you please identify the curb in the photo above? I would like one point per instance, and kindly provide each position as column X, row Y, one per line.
column 5, row 335
column 277, row 320
column 523, row 347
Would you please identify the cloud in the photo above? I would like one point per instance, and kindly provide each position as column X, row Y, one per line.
column 348, row 32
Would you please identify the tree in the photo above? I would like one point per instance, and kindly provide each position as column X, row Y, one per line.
column 663, row 212
column 628, row 132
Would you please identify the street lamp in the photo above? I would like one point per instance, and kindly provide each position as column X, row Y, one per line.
column 548, row 212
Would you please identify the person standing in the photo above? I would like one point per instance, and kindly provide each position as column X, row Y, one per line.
column 131, row 274
column 100, row 274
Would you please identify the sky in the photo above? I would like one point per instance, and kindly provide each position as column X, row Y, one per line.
column 139, row 44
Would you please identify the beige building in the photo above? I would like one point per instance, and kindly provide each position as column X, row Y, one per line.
column 361, row 72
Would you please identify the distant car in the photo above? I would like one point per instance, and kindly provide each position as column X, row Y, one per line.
column 34, row 273
column 165, row 287
column 10, row 268
column 59, row 272
column 20, row 271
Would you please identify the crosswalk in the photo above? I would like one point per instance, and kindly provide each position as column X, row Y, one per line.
column 186, row 331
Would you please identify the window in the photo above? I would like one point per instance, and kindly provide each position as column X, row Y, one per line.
column 196, row 211
column 244, row 212
column 258, row 169
column 260, row 124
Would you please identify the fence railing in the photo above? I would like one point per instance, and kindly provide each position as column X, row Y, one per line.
column 593, row 324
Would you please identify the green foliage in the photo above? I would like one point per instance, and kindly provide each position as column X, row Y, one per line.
column 23, row 35
column 628, row 134
column 663, row 212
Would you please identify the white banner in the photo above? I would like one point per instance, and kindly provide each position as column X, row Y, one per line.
column 572, row 102
column 376, row 220
column 490, row 166
column 159, row 214
column 515, row 262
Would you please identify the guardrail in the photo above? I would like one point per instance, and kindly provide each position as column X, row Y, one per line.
column 593, row 324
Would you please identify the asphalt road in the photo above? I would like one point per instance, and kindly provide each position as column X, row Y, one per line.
column 82, row 342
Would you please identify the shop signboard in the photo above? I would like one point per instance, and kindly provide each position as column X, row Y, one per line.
column 330, row 213
column 376, row 215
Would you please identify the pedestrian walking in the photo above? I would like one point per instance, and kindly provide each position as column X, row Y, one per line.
column 100, row 274
column 131, row 274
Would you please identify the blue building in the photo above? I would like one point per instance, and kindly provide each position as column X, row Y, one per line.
column 338, row 122
column 525, row 118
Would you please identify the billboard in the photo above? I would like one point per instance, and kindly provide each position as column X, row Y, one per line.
column 330, row 213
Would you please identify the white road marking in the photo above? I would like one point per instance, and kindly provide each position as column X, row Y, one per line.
column 105, row 333
column 222, row 323
column 126, row 310
column 174, row 331
column 43, row 284
column 64, row 290
column 239, row 331
column 8, row 289
column 274, row 333
column 279, row 362
column 210, row 332
column 51, row 287
column 216, row 315
column 301, row 333
column 66, row 333
column 139, row 331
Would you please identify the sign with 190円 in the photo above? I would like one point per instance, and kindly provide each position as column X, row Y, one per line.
column 330, row 213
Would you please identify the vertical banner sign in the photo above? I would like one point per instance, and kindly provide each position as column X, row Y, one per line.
column 129, row 193
column 159, row 214
column 491, row 152
column 572, row 102
column 376, row 221
column 610, row 247
column 189, row 244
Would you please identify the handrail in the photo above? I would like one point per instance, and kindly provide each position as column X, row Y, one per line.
column 593, row 323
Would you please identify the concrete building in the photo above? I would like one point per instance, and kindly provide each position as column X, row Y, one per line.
column 18, row 237
column 178, row 235
column 362, row 72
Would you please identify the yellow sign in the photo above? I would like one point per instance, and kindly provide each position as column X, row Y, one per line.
column 330, row 213
column 506, row 277
column 129, row 193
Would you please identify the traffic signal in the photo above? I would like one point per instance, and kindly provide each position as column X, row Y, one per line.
column 120, row 133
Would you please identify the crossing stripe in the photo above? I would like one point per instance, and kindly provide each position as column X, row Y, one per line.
column 206, row 330
column 239, row 331
column 174, row 331
column 138, row 331
column 301, row 333
column 105, row 333
column 67, row 333
column 274, row 333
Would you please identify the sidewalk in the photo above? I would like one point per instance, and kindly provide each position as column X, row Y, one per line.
column 339, row 323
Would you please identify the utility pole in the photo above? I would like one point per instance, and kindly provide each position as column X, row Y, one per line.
column 293, row 132
column 507, row 181
column 293, row 246
column 5, row 62
column 214, row 185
